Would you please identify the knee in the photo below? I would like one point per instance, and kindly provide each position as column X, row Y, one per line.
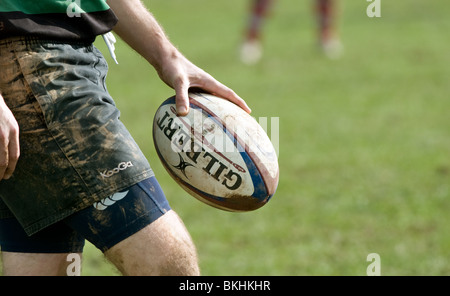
column 178, row 255
column 162, row 248
column 179, row 260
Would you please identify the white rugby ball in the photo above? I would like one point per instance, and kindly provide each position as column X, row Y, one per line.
column 218, row 153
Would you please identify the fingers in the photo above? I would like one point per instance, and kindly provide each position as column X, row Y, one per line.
column 182, row 97
column 226, row 93
column 4, row 159
column 13, row 156
column 214, row 87
column 182, row 75
column 9, row 145
column 207, row 84
column 9, row 155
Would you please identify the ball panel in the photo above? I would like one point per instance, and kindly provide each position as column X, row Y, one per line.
column 248, row 134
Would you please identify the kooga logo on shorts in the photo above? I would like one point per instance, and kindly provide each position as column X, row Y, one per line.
column 122, row 166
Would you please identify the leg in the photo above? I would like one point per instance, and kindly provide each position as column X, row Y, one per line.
column 138, row 232
column 35, row 264
column 162, row 248
column 325, row 18
column 251, row 50
column 258, row 13
column 326, row 14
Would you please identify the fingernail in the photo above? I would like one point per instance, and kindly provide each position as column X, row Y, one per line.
column 182, row 110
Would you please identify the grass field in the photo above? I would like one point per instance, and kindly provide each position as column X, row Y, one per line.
column 364, row 147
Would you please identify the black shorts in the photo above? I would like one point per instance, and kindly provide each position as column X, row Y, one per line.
column 104, row 224
column 74, row 149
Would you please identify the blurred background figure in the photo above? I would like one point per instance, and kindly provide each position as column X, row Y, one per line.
column 328, row 37
column 251, row 50
column 329, row 40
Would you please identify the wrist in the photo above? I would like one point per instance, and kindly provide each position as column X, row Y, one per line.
column 162, row 54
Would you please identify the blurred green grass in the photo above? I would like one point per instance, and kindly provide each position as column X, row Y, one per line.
column 364, row 140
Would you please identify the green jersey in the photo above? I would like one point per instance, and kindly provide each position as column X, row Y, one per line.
column 77, row 20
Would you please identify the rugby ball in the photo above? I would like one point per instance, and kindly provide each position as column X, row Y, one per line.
column 218, row 153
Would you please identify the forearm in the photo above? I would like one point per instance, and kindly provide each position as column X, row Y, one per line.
column 140, row 30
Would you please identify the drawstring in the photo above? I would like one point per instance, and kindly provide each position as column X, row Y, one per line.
column 110, row 40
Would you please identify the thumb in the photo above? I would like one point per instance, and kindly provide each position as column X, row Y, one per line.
column 182, row 98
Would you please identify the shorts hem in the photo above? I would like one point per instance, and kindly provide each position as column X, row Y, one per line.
column 59, row 249
column 131, row 228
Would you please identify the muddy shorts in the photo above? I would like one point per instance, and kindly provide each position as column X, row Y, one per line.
column 75, row 151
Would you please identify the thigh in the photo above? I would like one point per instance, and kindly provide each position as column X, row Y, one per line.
column 162, row 248
column 37, row 264
column 138, row 232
